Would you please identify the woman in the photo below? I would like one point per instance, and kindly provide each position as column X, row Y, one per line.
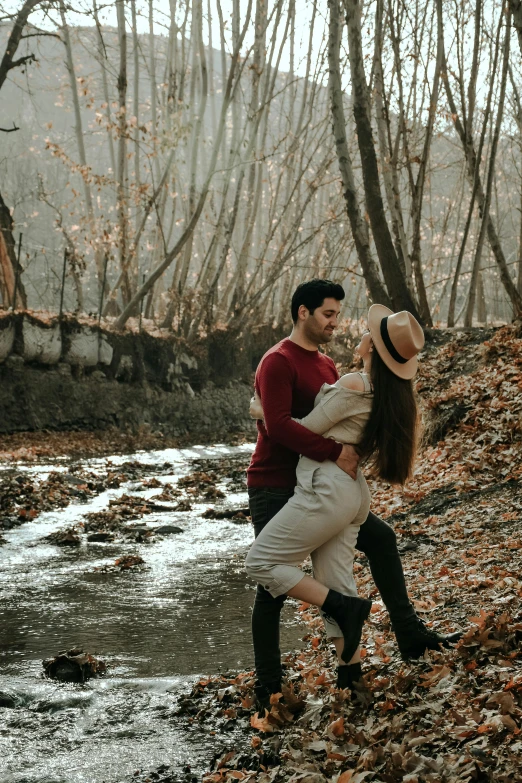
column 375, row 410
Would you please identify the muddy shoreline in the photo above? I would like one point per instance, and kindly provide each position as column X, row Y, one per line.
column 30, row 446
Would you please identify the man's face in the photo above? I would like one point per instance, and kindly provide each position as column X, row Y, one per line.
column 319, row 326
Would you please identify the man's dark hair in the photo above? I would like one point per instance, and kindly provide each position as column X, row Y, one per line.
column 313, row 293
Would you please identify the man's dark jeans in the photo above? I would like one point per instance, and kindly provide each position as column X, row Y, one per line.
column 376, row 540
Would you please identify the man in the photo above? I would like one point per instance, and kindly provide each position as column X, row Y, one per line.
column 287, row 381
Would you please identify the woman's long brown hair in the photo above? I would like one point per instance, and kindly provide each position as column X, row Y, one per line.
column 389, row 440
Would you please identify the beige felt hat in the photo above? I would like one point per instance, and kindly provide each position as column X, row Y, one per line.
column 397, row 337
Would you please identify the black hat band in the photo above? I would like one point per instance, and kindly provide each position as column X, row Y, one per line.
column 388, row 343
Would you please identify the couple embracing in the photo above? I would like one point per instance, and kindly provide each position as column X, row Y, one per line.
column 307, row 493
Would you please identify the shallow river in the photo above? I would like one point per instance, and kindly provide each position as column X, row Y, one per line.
column 159, row 629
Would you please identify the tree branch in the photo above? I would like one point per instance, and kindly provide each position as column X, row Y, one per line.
column 10, row 130
column 29, row 58
column 40, row 34
column 7, row 63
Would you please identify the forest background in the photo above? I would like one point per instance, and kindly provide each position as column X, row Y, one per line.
column 194, row 160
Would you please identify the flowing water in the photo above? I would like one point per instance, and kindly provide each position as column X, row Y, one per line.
column 160, row 629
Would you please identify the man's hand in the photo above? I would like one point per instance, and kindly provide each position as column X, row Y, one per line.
column 349, row 461
column 256, row 409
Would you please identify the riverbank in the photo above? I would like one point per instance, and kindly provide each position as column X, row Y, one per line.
column 32, row 446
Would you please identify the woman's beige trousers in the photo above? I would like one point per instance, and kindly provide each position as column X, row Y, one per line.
column 322, row 519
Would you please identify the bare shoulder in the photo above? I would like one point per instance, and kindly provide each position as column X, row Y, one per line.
column 352, row 380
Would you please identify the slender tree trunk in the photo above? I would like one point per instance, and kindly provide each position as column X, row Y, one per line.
column 153, row 92
column 358, row 225
column 418, row 192
column 518, row 117
column 468, row 319
column 7, row 63
column 395, row 281
column 516, row 10
column 78, row 129
column 102, row 58
column 233, row 76
column 8, row 260
column 122, row 152
column 454, row 287
column 254, row 168
column 472, row 162
column 200, row 60
column 136, row 133
column 482, row 313
column 385, row 153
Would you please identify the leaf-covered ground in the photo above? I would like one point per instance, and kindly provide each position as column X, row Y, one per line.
column 454, row 715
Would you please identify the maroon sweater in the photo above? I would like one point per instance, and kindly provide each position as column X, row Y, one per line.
column 288, row 379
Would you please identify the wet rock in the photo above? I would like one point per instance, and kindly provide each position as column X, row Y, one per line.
column 167, row 530
column 72, row 479
column 121, row 511
column 234, row 514
column 102, row 535
column 8, row 699
column 73, row 665
column 128, row 561
column 141, row 534
column 124, row 563
column 183, row 505
column 67, row 537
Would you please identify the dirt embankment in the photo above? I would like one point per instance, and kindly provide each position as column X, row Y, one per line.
column 72, row 374
column 77, row 374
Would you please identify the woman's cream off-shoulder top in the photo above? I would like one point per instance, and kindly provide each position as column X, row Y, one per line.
column 340, row 413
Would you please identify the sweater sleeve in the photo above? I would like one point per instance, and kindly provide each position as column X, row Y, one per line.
column 274, row 383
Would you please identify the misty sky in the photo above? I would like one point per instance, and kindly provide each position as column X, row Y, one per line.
column 162, row 17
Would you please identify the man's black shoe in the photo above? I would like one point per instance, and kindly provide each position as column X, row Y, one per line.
column 416, row 638
column 263, row 692
column 348, row 675
column 351, row 677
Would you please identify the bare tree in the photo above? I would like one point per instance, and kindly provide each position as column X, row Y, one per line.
column 393, row 275
column 121, row 157
column 472, row 164
column 358, row 225
column 189, row 229
column 10, row 270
